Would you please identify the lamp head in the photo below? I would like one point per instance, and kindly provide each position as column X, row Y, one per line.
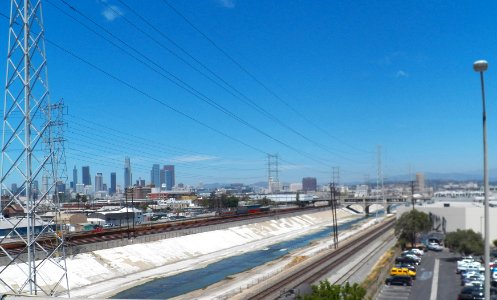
column 480, row 65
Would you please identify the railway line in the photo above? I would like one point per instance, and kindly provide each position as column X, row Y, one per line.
column 315, row 270
column 17, row 247
column 361, row 262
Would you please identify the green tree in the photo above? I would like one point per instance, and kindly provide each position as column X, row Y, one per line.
column 495, row 243
column 466, row 242
column 411, row 224
column 325, row 290
column 229, row 201
column 265, row 201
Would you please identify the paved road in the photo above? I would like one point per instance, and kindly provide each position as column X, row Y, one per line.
column 448, row 286
column 448, row 281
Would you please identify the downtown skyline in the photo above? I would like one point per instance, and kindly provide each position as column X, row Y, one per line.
column 325, row 84
column 165, row 178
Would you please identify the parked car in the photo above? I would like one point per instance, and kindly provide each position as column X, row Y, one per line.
column 399, row 280
column 402, row 271
column 434, row 247
column 413, row 256
column 406, row 265
column 411, row 252
column 494, row 274
column 471, row 292
column 467, row 273
column 418, row 251
column 475, row 282
column 404, row 259
column 472, row 279
column 465, row 260
column 474, row 266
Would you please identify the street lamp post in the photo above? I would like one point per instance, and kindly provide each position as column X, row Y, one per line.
column 481, row 66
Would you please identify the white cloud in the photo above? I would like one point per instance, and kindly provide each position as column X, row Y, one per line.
column 227, row 3
column 111, row 12
column 401, row 73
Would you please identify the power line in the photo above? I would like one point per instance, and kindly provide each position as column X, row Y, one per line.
column 177, row 81
column 239, row 95
column 253, row 77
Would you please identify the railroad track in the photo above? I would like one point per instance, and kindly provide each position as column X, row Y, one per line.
column 345, row 277
column 316, row 269
column 15, row 248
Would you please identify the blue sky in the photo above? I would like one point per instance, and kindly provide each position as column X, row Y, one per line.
column 338, row 79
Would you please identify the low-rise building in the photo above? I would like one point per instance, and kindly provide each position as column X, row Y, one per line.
column 119, row 217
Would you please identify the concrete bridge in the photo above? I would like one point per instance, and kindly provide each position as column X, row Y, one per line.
column 366, row 202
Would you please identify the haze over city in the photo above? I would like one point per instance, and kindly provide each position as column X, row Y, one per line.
column 213, row 87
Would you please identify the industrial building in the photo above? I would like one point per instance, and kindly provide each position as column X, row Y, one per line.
column 449, row 216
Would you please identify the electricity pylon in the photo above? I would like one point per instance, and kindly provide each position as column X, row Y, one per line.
column 32, row 255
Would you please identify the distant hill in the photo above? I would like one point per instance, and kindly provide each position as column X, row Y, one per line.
column 476, row 176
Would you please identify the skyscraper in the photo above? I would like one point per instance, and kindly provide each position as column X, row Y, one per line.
column 98, row 182
column 309, row 184
column 155, row 175
column 169, row 176
column 74, row 176
column 128, row 178
column 112, row 190
column 44, row 184
column 86, row 175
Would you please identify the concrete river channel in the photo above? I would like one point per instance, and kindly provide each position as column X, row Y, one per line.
column 182, row 283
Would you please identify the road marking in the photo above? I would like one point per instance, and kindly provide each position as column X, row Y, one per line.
column 434, row 283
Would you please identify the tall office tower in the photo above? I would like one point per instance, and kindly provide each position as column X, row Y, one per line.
column 75, row 176
column 128, row 178
column 80, row 188
column 13, row 188
column 86, row 175
column 155, row 175
column 162, row 179
column 170, row 180
column 36, row 190
column 98, row 182
column 60, row 187
column 309, row 184
column 112, row 189
column 44, row 184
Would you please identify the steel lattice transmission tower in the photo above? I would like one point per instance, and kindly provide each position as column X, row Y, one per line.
column 37, row 265
column 58, row 110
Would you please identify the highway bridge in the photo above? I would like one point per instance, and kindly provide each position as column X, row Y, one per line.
column 366, row 202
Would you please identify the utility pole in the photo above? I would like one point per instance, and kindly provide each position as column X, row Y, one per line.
column 333, row 202
column 379, row 182
column 412, row 193
column 126, row 190
column 133, row 209
column 29, row 146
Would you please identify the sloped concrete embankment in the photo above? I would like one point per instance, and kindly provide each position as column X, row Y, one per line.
column 105, row 271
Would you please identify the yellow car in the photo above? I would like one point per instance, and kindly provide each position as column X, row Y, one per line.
column 402, row 271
